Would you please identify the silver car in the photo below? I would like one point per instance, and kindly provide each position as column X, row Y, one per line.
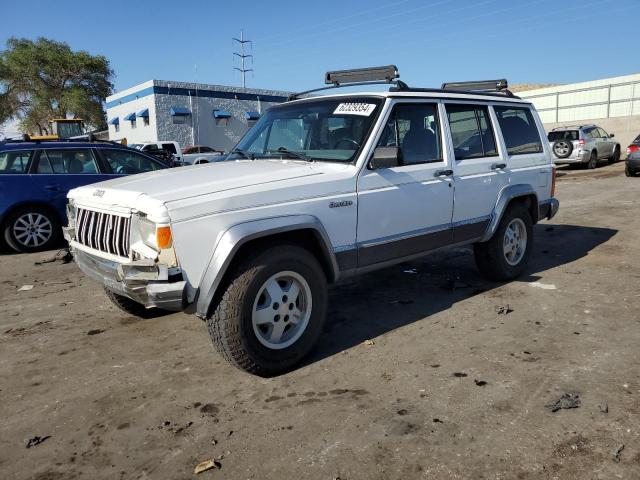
column 583, row 144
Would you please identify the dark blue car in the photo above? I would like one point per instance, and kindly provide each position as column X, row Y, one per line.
column 36, row 176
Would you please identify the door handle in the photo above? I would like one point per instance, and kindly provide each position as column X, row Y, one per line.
column 443, row 173
column 498, row 166
column 54, row 187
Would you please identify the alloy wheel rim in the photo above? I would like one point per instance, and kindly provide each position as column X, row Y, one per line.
column 515, row 241
column 281, row 310
column 32, row 229
column 561, row 148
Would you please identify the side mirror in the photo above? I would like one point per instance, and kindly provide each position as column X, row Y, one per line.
column 611, row 135
column 385, row 157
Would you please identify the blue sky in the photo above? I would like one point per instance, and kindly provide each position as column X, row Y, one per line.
column 546, row 41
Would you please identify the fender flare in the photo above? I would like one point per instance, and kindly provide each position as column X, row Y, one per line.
column 231, row 240
column 507, row 194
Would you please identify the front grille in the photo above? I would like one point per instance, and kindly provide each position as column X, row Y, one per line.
column 103, row 231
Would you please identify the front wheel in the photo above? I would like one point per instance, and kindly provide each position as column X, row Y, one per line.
column 506, row 254
column 272, row 311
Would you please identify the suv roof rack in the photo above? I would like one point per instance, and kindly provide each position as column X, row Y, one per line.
column 574, row 126
column 357, row 76
column 80, row 138
column 390, row 74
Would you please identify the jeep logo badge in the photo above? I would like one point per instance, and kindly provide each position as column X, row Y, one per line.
column 98, row 193
column 343, row 203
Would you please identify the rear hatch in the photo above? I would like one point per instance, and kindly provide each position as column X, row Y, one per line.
column 564, row 143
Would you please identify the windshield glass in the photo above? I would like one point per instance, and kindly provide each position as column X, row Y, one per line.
column 321, row 129
column 563, row 135
column 69, row 129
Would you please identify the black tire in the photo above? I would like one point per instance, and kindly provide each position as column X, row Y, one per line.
column 490, row 257
column 49, row 231
column 562, row 148
column 615, row 156
column 628, row 172
column 132, row 307
column 593, row 160
column 230, row 324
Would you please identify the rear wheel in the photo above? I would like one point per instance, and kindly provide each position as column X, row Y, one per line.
column 272, row 311
column 32, row 229
column 506, row 254
column 628, row 172
column 593, row 160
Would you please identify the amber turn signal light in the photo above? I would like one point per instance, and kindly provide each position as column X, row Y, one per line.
column 163, row 237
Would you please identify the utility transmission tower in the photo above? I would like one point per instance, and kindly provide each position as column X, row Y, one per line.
column 242, row 56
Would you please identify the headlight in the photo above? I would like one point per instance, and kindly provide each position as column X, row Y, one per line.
column 158, row 237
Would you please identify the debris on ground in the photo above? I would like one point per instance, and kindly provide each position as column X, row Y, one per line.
column 604, row 407
column 544, row 286
column 37, row 441
column 437, row 420
column 25, row 288
column 480, row 383
column 64, row 255
column 95, row 332
column 460, row 375
column 504, row 309
column 617, row 452
column 369, row 343
column 566, row 401
column 206, row 465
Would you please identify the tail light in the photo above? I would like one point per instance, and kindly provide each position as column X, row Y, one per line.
column 553, row 182
column 632, row 148
column 581, row 141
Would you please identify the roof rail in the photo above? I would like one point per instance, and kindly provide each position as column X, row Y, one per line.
column 485, row 86
column 358, row 76
column 79, row 138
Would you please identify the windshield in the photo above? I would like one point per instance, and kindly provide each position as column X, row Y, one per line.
column 69, row 129
column 321, row 129
column 563, row 135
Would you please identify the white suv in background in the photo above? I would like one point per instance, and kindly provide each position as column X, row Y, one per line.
column 320, row 189
column 583, row 144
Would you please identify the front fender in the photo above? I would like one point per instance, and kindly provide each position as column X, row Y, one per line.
column 236, row 236
column 507, row 194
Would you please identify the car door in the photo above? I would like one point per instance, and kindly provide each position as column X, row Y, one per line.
column 406, row 209
column 57, row 170
column 481, row 169
column 606, row 142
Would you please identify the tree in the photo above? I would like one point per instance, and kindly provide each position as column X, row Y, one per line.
column 45, row 79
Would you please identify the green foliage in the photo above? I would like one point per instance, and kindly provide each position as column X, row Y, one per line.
column 44, row 79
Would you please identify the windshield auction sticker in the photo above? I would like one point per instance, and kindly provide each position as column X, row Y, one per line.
column 364, row 109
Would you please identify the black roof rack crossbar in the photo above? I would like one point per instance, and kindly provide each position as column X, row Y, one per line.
column 358, row 76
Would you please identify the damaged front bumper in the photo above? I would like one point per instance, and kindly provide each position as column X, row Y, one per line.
column 548, row 209
column 145, row 282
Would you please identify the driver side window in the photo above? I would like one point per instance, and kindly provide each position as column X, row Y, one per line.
column 414, row 130
column 125, row 162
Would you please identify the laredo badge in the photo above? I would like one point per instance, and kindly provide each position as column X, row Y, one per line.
column 343, row 203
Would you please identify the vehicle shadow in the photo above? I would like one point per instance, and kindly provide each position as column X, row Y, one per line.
column 371, row 305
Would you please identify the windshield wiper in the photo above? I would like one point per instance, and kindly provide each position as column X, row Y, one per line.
column 242, row 153
column 291, row 153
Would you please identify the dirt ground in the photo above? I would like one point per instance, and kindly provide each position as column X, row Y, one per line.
column 450, row 388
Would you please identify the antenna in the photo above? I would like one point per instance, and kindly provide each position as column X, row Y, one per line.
column 241, row 55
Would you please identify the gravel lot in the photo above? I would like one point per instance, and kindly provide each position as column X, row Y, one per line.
column 450, row 387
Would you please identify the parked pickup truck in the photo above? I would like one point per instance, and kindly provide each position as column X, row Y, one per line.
column 320, row 189
column 187, row 156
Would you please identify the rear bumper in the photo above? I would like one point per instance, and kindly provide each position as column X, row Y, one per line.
column 148, row 285
column 578, row 157
column 548, row 209
column 633, row 163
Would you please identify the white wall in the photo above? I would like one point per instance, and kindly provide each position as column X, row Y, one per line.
column 141, row 133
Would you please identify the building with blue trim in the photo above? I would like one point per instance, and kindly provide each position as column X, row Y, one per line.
column 188, row 113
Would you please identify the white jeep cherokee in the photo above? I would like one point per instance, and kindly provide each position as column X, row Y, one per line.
column 321, row 188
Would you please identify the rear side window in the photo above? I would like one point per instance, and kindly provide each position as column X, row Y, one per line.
column 519, row 130
column 126, row 162
column 169, row 147
column 570, row 135
column 69, row 161
column 471, row 131
column 14, row 162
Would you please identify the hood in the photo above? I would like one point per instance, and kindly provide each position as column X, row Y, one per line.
column 171, row 189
